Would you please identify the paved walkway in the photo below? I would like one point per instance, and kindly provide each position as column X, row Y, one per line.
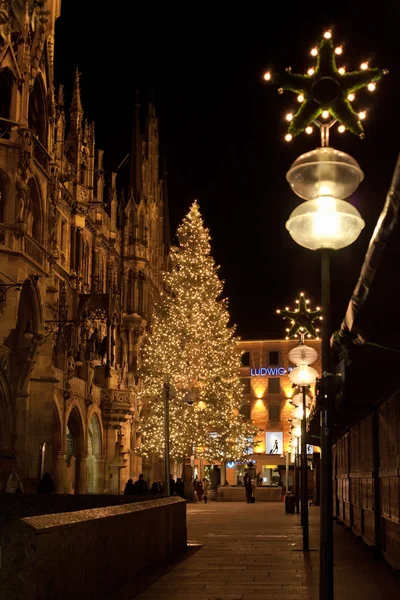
column 242, row 551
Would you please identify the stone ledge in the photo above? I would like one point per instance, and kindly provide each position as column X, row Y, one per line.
column 41, row 523
column 87, row 553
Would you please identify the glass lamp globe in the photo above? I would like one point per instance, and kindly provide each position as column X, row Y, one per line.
column 325, row 222
column 297, row 400
column 303, row 355
column 296, row 432
column 324, row 172
column 298, row 412
column 303, row 375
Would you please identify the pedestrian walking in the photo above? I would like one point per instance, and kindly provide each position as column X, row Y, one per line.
column 180, row 488
column 253, row 491
column 129, row 488
column 141, row 487
column 249, row 490
column 206, row 485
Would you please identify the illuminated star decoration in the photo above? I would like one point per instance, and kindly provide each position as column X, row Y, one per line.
column 326, row 91
column 302, row 319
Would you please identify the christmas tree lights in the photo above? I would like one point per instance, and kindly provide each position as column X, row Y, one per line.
column 192, row 347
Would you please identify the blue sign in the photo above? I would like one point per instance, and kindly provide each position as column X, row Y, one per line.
column 270, row 371
column 231, row 465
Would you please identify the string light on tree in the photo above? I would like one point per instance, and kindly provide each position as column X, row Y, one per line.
column 192, row 347
column 326, row 87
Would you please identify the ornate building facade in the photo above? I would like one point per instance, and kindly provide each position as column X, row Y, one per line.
column 80, row 268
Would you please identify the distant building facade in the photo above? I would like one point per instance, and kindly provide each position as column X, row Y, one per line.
column 268, row 390
column 90, row 267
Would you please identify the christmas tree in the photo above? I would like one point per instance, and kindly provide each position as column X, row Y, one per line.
column 192, row 348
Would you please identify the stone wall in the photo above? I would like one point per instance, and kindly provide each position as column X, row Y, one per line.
column 87, row 554
column 17, row 506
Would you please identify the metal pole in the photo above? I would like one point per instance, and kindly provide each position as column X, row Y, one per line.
column 166, row 439
column 326, row 589
column 297, row 475
column 304, row 486
column 287, row 471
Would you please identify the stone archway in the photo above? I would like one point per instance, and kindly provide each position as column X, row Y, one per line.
column 74, row 453
column 95, row 474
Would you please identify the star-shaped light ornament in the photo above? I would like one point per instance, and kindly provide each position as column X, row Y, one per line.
column 326, row 91
column 302, row 319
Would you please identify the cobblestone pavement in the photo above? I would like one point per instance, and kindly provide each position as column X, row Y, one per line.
column 242, row 551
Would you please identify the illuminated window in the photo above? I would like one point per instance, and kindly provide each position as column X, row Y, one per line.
column 274, row 442
column 273, row 358
column 274, row 385
column 246, row 383
column 274, row 411
column 246, row 359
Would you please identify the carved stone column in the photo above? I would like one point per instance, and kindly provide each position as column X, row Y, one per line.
column 60, row 473
column 81, row 474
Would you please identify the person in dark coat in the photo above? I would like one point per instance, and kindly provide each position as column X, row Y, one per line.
column 141, row 487
column 46, row 485
column 155, row 489
column 172, row 485
column 249, row 490
column 180, row 488
column 129, row 488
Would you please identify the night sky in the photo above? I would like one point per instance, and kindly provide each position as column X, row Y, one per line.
column 222, row 126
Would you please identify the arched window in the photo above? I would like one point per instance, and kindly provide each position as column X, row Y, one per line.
column 141, row 293
column 34, row 212
column 141, row 228
column 131, row 292
column 85, row 261
column 3, row 196
column 6, row 83
column 37, row 112
column 132, row 227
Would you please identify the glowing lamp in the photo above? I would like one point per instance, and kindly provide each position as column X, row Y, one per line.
column 289, row 117
column 325, row 114
column 309, row 130
column 325, row 222
column 267, row 76
column 341, row 70
column 364, row 66
column 371, row 87
column 288, row 137
column 303, row 375
column 339, row 50
column 298, row 412
column 314, row 52
column 362, row 115
column 297, row 400
column 341, row 129
column 296, row 432
column 303, row 355
column 351, row 97
column 311, row 71
column 300, row 98
column 324, row 172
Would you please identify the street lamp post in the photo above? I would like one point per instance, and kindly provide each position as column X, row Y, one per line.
column 325, row 177
column 325, row 222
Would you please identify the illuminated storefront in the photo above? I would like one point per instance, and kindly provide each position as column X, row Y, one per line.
column 268, row 390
